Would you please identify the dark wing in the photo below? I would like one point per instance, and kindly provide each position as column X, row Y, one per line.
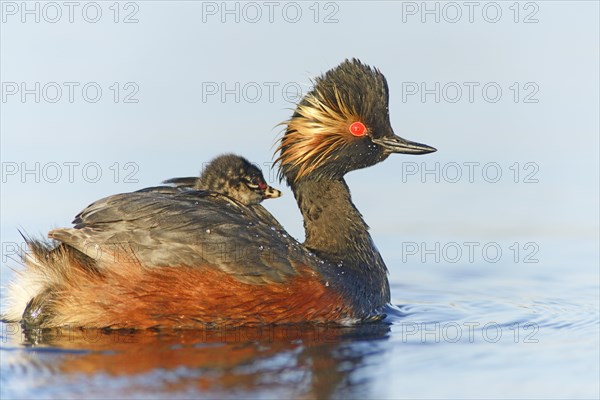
column 193, row 228
column 189, row 181
column 173, row 190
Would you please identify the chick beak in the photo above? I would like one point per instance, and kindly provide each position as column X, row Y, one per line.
column 271, row 193
column 395, row 144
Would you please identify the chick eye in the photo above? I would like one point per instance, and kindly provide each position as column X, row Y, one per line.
column 358, row 129
column 257, row 183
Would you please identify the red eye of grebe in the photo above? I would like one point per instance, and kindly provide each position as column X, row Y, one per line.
column 358, row 129
column 262, row 186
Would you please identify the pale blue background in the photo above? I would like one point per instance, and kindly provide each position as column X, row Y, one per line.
column 171, row 132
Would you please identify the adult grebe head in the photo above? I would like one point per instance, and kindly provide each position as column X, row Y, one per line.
column 341, row 125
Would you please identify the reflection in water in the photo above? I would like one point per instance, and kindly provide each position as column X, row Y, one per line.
column 301, row 361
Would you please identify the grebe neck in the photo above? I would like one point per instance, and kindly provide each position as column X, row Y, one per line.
column 338, row 235
column 335, row 229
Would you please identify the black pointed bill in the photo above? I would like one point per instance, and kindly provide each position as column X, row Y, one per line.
column 395, row 144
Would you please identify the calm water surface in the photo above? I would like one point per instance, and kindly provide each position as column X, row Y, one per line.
column 480, row 329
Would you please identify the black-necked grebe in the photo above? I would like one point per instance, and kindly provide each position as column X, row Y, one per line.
column 151, row 259
column 233, row 176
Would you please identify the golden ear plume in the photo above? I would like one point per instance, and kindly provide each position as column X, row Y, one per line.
column 318, row 128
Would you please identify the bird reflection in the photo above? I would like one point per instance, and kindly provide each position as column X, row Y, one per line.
column 311, row 361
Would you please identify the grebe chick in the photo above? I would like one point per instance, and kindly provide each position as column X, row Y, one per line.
column 233, row 176
column 190, row 261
